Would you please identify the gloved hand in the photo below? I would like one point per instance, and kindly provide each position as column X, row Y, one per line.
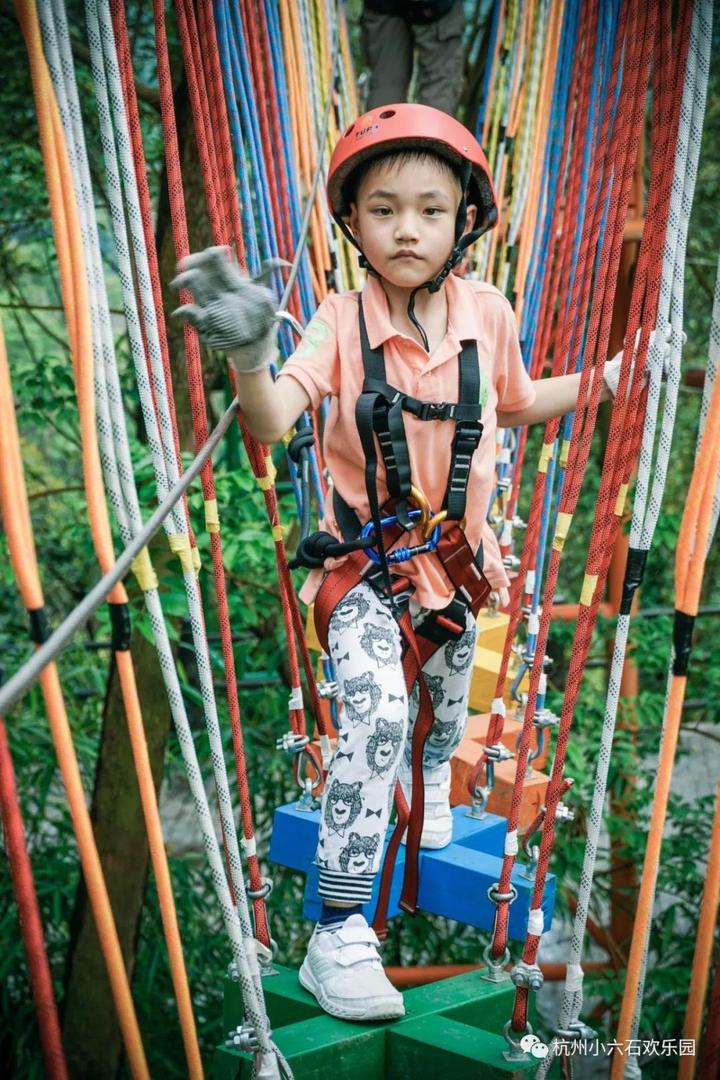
column 231, row 312
column 659, row 344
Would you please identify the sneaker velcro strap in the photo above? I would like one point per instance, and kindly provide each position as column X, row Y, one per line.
column 351, row 935
column 355, row 954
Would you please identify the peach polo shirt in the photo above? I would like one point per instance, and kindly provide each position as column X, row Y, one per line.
column 328, row 361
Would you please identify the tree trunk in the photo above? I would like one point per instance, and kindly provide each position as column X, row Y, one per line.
column 90, row 1029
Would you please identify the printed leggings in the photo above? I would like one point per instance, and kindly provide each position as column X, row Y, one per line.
column 376, row 726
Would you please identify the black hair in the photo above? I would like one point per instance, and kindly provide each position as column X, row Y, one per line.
column 400, row 158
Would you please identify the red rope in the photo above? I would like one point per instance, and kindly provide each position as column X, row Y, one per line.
column 29, row 913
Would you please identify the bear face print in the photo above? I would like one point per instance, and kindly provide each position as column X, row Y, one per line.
column 435, row 687
column 459, row 652
column 342, row 806
column 361, row 696
column 382, row 746
column 357, row 855
column 379, row 642
column 443, row 732
column 349, row 612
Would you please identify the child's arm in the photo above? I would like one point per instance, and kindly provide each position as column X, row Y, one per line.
column 553, row 397
column 269, row 408
column 236, row 314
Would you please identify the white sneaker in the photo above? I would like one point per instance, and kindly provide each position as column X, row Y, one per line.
column 438, row 822
column 344, row 972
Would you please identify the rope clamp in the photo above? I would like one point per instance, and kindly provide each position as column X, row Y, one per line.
column 498, row 752
column 543, row 719
column 327, row 689
column 307, row 800
column 292, row 741
column 511, row 562
column 504, row 483
column 564, row 813
column 518, row 523
column 527, row 976
column 576, row 1031
column 244, row 1038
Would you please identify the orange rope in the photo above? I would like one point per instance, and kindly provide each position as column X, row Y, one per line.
column 68, row 238
column 690, row 558
column 703, row 947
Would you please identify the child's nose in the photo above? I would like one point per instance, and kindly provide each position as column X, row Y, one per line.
column 406, row 227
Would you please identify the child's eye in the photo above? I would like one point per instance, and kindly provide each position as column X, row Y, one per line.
column 381, row 211
column 433, row 211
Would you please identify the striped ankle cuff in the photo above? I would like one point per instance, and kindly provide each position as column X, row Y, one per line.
column 353, row 888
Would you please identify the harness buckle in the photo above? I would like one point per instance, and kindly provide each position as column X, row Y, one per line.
column 437, row 410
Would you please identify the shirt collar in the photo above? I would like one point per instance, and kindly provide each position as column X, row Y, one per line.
column 462, row 313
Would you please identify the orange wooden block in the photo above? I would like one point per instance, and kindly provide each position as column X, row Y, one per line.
column 463, row 763
column 486, row 668
column 492, row 629
column 533, row 797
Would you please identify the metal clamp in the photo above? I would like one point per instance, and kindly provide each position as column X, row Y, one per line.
column 516, row 1052
column 292, row 742
column 496, row 972
column 511, row 562
column 497, row 752
column 496, row 897
column 327, row 689
column 527, row 976
column 478, row 807
column 575, row 1031
column 244, row 1038
column 564, row 813
column 263, row 892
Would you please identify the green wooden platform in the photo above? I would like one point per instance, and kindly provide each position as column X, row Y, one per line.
column 451, row 1028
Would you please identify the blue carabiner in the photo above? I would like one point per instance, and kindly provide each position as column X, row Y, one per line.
column 402, row 554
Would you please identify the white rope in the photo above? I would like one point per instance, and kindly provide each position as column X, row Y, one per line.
column 648, row 499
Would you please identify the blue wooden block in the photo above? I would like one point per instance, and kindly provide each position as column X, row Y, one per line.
column 454, row 883
column 294, row 837
column 481, row 834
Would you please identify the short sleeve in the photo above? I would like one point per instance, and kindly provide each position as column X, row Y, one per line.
column 513, row 384
column 315, row 363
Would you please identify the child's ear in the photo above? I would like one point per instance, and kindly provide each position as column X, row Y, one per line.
column 470, row 219
column 352, row 220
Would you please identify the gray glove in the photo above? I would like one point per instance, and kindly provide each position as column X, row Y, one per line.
column 232, row 312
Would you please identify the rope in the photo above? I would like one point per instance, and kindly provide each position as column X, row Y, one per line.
column 704, row 940
column 14, row 830
column 646, row 509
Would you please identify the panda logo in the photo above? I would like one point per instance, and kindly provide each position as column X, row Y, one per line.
column 361, row 696
column 379, row 643
column 349, row 612
column 357, row 855
column 459, row 652
column 382, row 746
column 342, row 806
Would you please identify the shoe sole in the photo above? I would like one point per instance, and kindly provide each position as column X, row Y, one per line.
column 433, row 843
column 381, row 1009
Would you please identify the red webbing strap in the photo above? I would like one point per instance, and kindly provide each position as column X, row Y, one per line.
column 29, row 913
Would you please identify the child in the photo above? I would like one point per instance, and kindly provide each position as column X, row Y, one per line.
column 410, row 187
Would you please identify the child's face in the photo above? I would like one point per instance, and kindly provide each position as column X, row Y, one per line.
column 404, row 219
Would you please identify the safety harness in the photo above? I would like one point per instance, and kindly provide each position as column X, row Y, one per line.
column 372, row 550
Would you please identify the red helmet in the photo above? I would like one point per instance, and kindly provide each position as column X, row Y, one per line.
column 412, row 127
